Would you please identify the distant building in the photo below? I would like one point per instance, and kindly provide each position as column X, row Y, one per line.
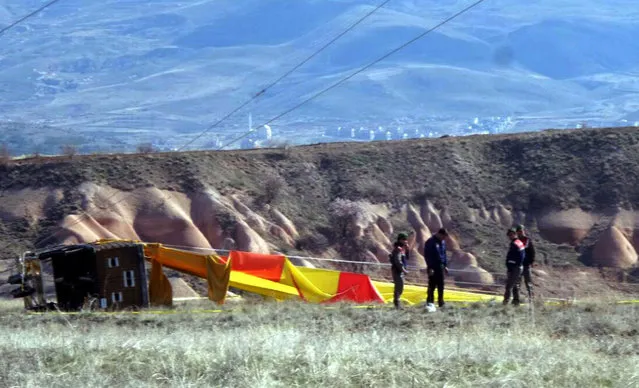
column 247, row 143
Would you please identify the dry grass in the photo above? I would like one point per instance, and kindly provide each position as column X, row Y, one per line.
column 291, row 344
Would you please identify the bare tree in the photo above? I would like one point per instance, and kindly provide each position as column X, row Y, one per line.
column 344, row 214
column 279, row 143
column 36, row 153
column 5, row 155
column 145, row 148
column 69, row 150
column 273, row 186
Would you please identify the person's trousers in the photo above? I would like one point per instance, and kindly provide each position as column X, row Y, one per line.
column 436, row 280
column 528, row 281
column 398, row 280
column 512, row 285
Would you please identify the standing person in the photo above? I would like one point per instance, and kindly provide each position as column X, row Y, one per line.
column 437, row 263
column 514, row 262
column 398, row 258
column 529, row 261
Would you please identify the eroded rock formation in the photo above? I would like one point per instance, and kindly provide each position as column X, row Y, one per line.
column 208, row 219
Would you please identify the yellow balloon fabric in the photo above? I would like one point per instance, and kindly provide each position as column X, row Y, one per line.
column 274, row 276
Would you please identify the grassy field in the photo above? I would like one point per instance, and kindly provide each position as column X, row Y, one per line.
column 291, row 344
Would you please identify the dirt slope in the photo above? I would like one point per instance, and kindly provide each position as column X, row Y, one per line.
column 576, row 191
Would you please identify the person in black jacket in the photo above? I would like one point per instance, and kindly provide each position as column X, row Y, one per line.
column 514, row 262
column 398, row 258
column 529, row 261
column 437, row 262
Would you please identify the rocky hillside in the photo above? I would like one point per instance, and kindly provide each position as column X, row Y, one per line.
column 576, row 190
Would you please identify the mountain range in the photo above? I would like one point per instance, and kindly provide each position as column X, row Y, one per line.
column 125, row 72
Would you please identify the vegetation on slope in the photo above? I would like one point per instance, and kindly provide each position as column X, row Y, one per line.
column 592, row 169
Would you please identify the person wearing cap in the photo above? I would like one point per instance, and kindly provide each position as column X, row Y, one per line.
column 528, row 261
column 398, row 259
column 514, row 263
column 437, row 263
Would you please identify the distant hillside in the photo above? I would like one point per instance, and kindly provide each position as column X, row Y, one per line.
column 576, row 190
column 114, row 70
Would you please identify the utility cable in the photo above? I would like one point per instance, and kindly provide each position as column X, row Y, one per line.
column 261, row 92
column 445, row 21
column 31, row 14
column 338, row 83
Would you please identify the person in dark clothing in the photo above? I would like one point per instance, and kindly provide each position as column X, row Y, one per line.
column 398, row 259
column 437, row 263
column 514, row 263
column 529, row 261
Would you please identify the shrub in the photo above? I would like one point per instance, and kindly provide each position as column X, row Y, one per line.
column 272, row 188
column 69, row 150
column 145, row 148
column 279, row 143
column 314, row 242
column 343, row 214
column 284, row 146
column 5, row 156
column 36, row 154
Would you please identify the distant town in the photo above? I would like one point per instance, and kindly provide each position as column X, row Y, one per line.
column 267, row 136
column 21, row 139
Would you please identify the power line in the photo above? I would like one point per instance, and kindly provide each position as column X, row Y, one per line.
column 338, row 83
column 261, row 92
column 214, row 125
column 466, row 9
column 214, row 250
column 33, row 13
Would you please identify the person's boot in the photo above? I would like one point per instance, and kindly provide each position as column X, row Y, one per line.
column 531, row 296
